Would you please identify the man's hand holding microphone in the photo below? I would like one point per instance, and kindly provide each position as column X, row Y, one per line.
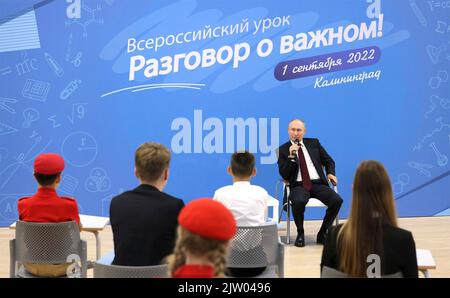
column 294, row 149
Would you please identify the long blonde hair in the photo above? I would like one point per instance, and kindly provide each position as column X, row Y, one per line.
column 372, row 206
column 214, row 251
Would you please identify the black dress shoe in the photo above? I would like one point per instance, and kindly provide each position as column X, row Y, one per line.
column 300, row 241
column 321, row 238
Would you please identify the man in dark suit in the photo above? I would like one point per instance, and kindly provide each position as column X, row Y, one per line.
column 300, row 163
column 144, row 220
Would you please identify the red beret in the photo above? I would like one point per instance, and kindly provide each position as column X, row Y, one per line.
column 208, row 218
column 48, row 164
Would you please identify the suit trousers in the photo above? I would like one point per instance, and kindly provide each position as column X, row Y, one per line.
column 299, row 197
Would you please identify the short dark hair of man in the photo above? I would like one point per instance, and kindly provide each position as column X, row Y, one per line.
column 46, row 180
column 151, row 159
column 242, row 164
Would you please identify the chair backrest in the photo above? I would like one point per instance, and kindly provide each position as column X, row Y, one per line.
column 49, row 243
column 256, row 246
column 328, row 272
column 114, row 271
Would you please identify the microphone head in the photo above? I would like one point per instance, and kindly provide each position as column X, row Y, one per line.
column 296, row 141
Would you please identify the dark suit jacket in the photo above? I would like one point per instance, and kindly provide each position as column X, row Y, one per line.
column 144, row 222
column 399, row 251
column 289, row 168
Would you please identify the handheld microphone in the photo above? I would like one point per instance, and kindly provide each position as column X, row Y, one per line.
column 297, row 142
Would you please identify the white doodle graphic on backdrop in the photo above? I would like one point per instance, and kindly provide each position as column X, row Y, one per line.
column 434, row 100
column 402, row 181
column 77, row 60
column 98, row 181
column 8, row 206
column 21, row 162
column 69, row 48
column 33, row 134
column 434, row 53
column 78, row 111
column 442, row 125
column 438, row 4
column 421, row 167
column 418, row 12
column 3, row 154
column 5, row 70
column 27, row 65
column 36, row 90
column 6, row 129
column 54, row 65
column 436, row 81
column 79, row 149
column 30, row 115
column 69, row 89
column 441, row 159
column 442, row 27
column 5, row 104
column 87, row 16
column 106, row 202
column 54, row 122
column 68, row 184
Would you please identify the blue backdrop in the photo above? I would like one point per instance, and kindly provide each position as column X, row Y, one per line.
column 92, row 80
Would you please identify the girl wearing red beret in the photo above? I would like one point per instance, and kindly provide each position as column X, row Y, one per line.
column 204, row 231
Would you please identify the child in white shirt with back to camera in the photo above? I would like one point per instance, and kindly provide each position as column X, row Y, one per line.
column 247, row 202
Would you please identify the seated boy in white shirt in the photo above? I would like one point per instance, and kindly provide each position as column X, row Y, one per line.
column 247, row 202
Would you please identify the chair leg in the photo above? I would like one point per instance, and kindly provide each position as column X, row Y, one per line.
column 288, row 219
column 280, row 260
column 281, row 213
column 12, row 258
column 337, row 216
column 83, row 257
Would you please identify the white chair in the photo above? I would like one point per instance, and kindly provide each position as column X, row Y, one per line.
column 114, row 271
column 312, row 203
column 47, row 243
column 103, row 268
column 258, row 246
column 275, row 205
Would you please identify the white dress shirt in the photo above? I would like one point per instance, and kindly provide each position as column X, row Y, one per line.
column 313, row 175
column 247, row 202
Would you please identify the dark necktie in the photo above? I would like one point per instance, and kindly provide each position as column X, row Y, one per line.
column 304, row 169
